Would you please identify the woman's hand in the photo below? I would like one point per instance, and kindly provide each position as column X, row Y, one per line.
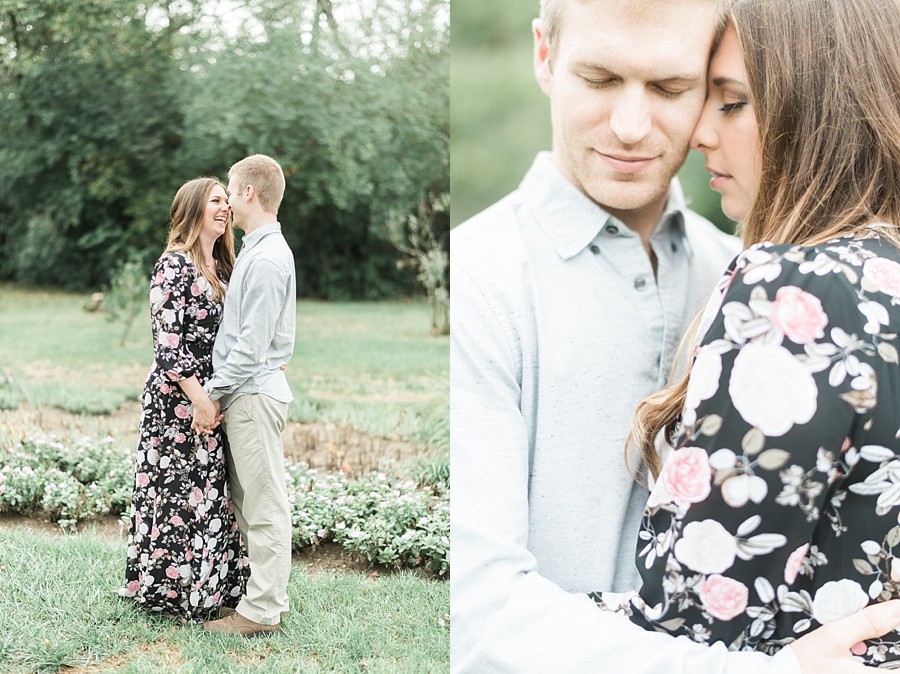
column 206, row 415
column 826, row 650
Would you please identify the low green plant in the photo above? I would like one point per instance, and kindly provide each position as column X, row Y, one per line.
column 388, row 521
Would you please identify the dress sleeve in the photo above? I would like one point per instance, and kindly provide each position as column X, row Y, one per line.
column 170, row 288
column 781, row 382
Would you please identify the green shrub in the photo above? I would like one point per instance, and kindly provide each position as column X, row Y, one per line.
column 386, row 520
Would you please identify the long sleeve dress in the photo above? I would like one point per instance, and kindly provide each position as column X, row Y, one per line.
column 778, row 509
column 185, row 554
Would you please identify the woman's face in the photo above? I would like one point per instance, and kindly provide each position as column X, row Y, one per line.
column 215, row 217
column 726, row 132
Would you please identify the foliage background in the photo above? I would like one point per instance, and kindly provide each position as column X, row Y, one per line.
column 107, row 106
column 501, row 118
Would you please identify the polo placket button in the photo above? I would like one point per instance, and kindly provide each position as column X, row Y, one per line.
column 640, row 283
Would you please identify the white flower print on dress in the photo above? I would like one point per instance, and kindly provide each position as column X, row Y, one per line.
column 704, row 382
column 838, row 599
column 706, row 547
column 883, row 275
column 771, row 389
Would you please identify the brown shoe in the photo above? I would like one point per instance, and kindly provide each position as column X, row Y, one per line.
column 225, row 611
column 238, row 624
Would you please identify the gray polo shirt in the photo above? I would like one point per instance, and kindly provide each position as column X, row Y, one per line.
column 256, row 336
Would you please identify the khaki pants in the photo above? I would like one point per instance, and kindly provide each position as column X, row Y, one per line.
column 253, row 425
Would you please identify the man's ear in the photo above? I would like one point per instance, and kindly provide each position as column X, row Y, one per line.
column 542, row 72
column 250, row 192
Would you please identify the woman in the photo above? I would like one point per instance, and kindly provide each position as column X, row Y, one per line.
column 185, row 554
column 778, row 509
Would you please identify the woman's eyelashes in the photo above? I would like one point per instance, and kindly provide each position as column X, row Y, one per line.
column 732, row 107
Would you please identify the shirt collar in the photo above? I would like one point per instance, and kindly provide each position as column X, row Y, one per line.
column 259, row 234
column 570, row 219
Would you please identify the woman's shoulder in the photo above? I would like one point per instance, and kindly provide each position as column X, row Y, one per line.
column 173, row 264
column 854, row 260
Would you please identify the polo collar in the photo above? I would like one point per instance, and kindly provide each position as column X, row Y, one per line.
column 571, row 220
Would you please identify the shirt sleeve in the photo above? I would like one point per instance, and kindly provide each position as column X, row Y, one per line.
column 170, row 286
column 264, row 290
column 506, row 617
column 779, row 385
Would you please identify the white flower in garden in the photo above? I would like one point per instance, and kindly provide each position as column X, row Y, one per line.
column 771, row 389
column 706, row 547
column 703, row 383
column 838, row 599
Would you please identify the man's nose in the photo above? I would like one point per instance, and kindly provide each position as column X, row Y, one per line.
column 630, row 118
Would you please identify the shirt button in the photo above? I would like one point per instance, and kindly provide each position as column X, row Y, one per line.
column 640, row 283
column 612, row 230
column 595, row 249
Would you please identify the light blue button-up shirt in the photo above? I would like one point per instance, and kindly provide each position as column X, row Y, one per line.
column 558, row 329
column 256, row 336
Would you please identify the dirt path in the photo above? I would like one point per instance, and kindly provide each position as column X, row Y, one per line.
column 323, row 446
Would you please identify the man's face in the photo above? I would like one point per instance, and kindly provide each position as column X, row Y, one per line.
column 625, row 89
column 236, row 201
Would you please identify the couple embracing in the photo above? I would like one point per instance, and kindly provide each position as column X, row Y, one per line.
column 210, row 525
column 771, row 521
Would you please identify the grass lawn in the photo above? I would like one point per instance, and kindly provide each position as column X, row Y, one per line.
column 370, row 365
column 58, row 610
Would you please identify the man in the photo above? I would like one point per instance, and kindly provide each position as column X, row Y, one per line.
column 255, row 339
column 569, row 298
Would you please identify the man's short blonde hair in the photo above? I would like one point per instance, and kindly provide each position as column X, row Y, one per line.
column 266, row 176
column 552, row 12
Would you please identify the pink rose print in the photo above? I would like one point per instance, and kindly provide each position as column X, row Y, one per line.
column 884, row 275
column 159, row 552
column 134, row 586
column 195, row 289
column 182, row 412
column 686, row 475
column 172, row 572
column 176, row 520
column 794, row 562
column 172, row 339
column 154, row 534
column 142, row 479
column 202, row 314
column 180, row 438
column 212, row 443
column 799, row 315
column 723, row 598
column 171, row 594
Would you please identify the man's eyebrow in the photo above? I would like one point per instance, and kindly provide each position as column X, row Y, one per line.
column 674, row 77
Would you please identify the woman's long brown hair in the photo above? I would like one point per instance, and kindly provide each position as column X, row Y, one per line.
column 186, row 215
column 824, row 80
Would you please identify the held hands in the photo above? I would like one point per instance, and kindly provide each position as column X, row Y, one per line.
column 827, row 650
column 207, row 415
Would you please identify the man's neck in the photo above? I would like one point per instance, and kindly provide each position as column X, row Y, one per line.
column 257, row 220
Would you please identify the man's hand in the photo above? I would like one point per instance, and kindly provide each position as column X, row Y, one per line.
column 827, row 649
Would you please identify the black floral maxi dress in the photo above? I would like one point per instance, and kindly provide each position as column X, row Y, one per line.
column 778, row 510
column 185, row 554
